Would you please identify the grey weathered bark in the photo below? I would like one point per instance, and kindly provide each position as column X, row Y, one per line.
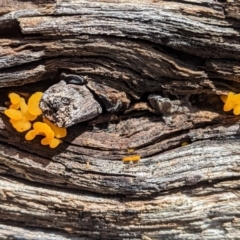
column 156, row 68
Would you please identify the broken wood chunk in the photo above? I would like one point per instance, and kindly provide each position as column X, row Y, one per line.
column 67, row 104
column 113, row 99
column 167, row 107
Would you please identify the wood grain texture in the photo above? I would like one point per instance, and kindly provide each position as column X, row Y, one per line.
column 182, row 51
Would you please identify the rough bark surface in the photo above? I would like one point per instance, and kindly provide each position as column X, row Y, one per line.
column 156, row 68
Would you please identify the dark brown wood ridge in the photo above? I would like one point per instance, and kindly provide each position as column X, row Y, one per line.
column 187, row 51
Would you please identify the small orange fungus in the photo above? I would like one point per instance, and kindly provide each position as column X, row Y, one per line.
column 13, row 114
column 231, row 102
column 15, row 106
column 25, row 111
column 58, row 132
column 21, row 125
column 54, row 142
column 21, row 114
column 40, row 127
column 30, row 135
column 33, row 104
column 131, row 158
column 14, row 98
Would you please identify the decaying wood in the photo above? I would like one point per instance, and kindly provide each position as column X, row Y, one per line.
column 156, row 68
column 67, row 104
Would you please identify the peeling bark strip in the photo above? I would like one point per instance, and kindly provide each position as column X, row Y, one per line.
column 152, row 71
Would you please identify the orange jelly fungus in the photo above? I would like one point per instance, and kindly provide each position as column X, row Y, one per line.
column 231, row 102
column 51, row 142
column 25, row 110
column 40, row 128
column 21, row 125
column 58, row 132
column 14, row 98
column 21, row 114
column 131, row 158
column 50, row 131
column 13, row 114
column 33, row 104
column 18, row 113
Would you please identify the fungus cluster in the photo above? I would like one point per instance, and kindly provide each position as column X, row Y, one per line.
column 231, row 102
column 131, row 158
column 21, row 115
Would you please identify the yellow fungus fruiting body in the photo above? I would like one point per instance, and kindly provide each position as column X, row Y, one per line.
column 29, row 116
column 12, row 121
column 15, row 106
column 58, row 132
column 14, row 98
column 30, row 135
column 22, row 125
column 229, row 104
column 40, row 127
column 55, row 142
column 232, row 102
column 236, row 98
column 127, row 159
column 13, row 114
column 131, row 158
column 236, row 110
column 33, row 104
column 45, row 141
column 25, row 111
column 135, row 158
column 21, row 114
column 23, row 106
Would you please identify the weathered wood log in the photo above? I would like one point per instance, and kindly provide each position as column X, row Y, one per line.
column 157, row 69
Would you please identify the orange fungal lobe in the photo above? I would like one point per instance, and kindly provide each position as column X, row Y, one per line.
column 45, row 141
column 236, row 110
column 131, row 158
column 30, row 135
column 22, row 125
column 58, row 132
column 40, row 127
column 13, row 114
column 14, row 98
column 14, row 106
column 33, row 104
column 232, row 102
column 135, row 158
column 55, row 142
